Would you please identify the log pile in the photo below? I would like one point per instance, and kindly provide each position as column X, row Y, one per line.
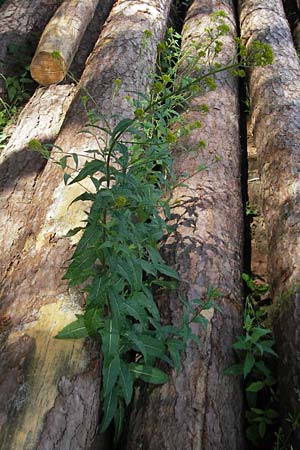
column 207, row 251
column 49, row 389
column 275, row 96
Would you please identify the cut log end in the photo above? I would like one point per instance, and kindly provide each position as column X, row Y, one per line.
column 46, row 69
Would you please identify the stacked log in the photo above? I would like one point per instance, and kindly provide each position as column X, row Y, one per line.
column 275, row 97
column 60, row 41
column 21, row 20
column 54, row 402
column 200, row 407
column 20, row 168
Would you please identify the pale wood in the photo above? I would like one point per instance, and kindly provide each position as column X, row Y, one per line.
column 62, row 36
column 41, row 119
column 200, row 408
column 275, row 111
column 55, row 403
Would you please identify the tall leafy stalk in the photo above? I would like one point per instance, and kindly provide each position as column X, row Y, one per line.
column 117, row 261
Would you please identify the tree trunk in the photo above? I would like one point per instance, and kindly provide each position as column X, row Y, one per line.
column 21, row 21
column 275, row 95
column 54, row 402
column 200, row 407
column 90, row 37
column 20, row 168
column 62, row 36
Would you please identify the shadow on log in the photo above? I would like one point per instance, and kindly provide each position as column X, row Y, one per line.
column 20, row 168
column 275, row 99
column 200, row 407
column 56, row 402
column 22, row 21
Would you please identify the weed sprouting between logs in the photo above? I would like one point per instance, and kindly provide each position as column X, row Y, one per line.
column 117, row 261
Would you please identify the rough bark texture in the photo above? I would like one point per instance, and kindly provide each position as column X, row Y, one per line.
column 35, row 301
column 20, row 168
column 62, row 35
column 200, row 407
column 90, row 37
column 275, row 94
column 21, row 22
column 259, row 245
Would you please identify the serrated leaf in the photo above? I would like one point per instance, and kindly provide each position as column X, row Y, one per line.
column 168, row 271
column 255, row 387
column 74, row 231
column 134, row 309
column 262, row 429
column 110, row 374
column 153, row 346
column 126, row 382
column 75, row 159
column 248, row 364
column 93, row 320
column 66, row 178
column 116, row 305
column 118, row 422
column 148, row 373
column 109, row 408
column 257, row 333
column 175, row 354
column 75, row 330
column 234, row 369
column 90, row 168
column 110, row 338
column 138, row 344
column 121, row 127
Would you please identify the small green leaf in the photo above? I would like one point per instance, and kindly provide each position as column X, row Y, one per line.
column 122, row 126
column 110, row 338
column 248, row 364
column 126, row 382
column 262, row 429
column 90, row 168
column 110, row 374
column 148, row 373
column 118, row 422
column 257, row 333
column 235, row 369
column 109, row 408
column 256, row 386
column 93, row 320
column 75, row 330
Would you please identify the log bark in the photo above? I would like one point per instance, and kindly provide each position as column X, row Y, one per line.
column 62, row 35
column 200, row 407
column 55, row 402
column 90, row 37
column 20, row 168
column 22, row 21
column 275, row 97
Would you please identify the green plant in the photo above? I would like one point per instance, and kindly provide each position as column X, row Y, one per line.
column 17, row 89
column 256, row 353
column 117, row 261
column 251, row 210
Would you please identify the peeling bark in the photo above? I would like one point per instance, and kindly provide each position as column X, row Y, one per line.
column 200, row 407
column 20, row 168
column 62, row 35
column 275, row 97
column 34, row 297
column 21, row 21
